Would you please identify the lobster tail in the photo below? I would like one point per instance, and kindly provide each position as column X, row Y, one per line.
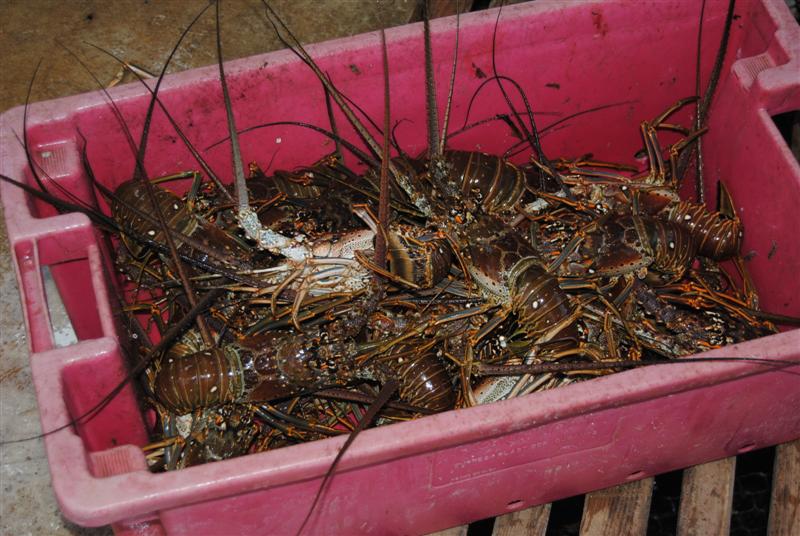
column 673, row 248
column 133, row 193
column 423, row 381
column 203, row 379
column 496, row 183
column 718, row 236
column 539, row 303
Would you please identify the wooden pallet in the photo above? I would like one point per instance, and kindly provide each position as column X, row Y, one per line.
column 705, row 504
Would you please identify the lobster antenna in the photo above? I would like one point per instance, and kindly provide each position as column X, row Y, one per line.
column 248, row 220
column 482, row 369
column 28, row 156
column 533, row 135
column 336, row 393
column 141, row 174
column 718, row 61
column 699, row 183
column 434, row 149
column 451, row 88
column 517, row 147
column 25, row 145
column 195, row 244
column 297, row 48
column 385, row 393
column 137, row 154
column 528, row 110
column 703, row 107
column 361, row 155
column 385, row 192
column 189, row 145
column 114, row 108
column 280, row 27
column 371, row 121
column 533, row 140
column 704, row 104
column 236, row 154
column 332, row 121
column 140, row 169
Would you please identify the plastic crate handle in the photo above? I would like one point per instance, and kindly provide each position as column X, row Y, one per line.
column 32, row 294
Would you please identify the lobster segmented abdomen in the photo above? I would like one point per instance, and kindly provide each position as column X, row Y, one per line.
column 423, row 380
column 496, row 183
column 628, row 244
column 133, row 193
column 260, row 368
column 203, row 379
column 131, row 198
column 539, row 303
column 718, row 237
column 673, row 248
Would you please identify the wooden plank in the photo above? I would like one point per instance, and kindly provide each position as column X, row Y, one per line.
column 784, row 508
column 531, row 522
column 707, row 499
column 619, row 510
column 454, row 531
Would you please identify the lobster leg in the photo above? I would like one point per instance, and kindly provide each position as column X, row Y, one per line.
column 675, row 152
column 657, row 173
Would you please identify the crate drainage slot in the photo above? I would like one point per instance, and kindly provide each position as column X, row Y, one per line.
column 63, row 333
column 515, row 505
column 746, row 448
column 636, row 475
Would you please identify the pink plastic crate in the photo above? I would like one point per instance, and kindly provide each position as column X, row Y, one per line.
column 469, row 464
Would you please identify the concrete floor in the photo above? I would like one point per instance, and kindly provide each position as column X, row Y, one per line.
column 142, row 33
